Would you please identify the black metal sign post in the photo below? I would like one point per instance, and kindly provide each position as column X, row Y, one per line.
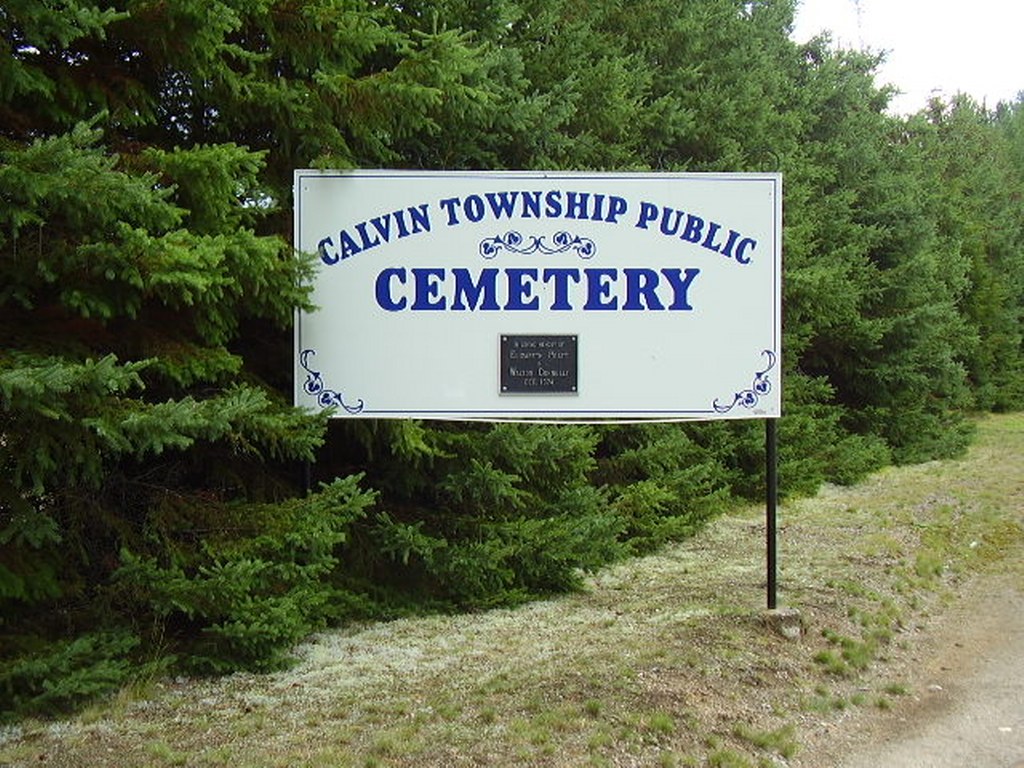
column 771, row 448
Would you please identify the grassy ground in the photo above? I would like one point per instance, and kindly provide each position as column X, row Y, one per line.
column 663, row 661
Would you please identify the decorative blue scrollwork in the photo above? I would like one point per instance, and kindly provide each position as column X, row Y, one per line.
column 516, row 243
column 760, row 387
column 314, row 385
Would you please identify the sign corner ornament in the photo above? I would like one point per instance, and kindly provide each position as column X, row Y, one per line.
column 314, row 386
column 529, row 295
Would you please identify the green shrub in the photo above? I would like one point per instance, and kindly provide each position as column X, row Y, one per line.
column 241, row 601
column 663, row 484
column 488, row 515
column 67, row 673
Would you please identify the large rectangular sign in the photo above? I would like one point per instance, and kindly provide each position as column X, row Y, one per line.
column 504, row 295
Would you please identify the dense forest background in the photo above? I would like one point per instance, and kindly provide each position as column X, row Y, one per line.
column 152, row 513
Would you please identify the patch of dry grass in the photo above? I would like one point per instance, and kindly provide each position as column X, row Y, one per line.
column 661, row 661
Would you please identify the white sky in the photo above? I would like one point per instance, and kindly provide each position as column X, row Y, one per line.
column 938, row 47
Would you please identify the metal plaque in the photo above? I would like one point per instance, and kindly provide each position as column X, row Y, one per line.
column 540, row 365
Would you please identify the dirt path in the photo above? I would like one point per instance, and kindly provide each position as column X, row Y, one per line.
column 969, row 706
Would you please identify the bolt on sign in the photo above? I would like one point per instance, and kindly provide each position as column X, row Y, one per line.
column 540, row 295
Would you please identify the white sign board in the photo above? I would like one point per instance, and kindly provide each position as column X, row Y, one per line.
column 540, row 295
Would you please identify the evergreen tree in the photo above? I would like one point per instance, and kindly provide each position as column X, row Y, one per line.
column 136, row 258
column 976, row 192
column 873, row 292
